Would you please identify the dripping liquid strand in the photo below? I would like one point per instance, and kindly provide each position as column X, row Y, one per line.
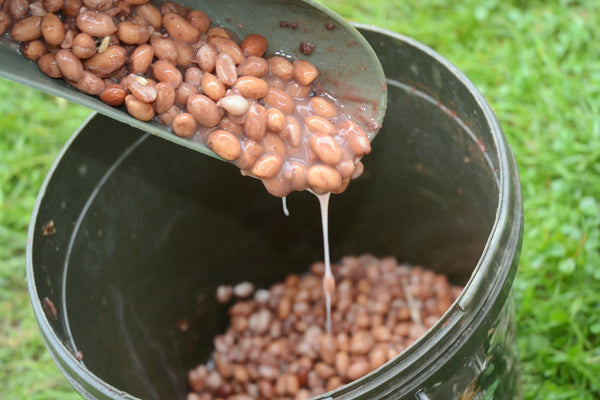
column 328, row 279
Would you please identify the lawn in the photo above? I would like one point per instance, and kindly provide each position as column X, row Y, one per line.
column 537, row 63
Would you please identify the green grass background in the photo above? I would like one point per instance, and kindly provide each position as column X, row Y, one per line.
column 537, row 63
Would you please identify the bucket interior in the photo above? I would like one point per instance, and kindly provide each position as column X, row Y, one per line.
column 145, row 230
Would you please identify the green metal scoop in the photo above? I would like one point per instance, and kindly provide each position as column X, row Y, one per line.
column 349, row 68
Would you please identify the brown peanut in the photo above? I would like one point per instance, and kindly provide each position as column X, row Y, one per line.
column 323, row 177
column 71, row 8
column 185, row 54
column 141, row 59
column 47, row 64
column 296, row 175
column 138, row 109
column 53, row 5
column 179, row 28
column 17, row 8
column 281, row 68
column 53, row 30
column 206, row 56
column 319, row 125
column 34, row 50
column 27, row 29
column 193, row 75
column 276, row 120
column 204, row 110
column 113, row 95
column 304, row 72
column 292, row 131
column 4, row 22
column 36, row 8
column 357, row 139
column 253, row 66
column 168, row 116
column 130, row 32
column 165, row 97
column 164, row 49
column 184, row 125
column 267, row 166
column 323, row 108
column 227, row 46
column 255, row 126
column 252, row 87
column 99, row 5
column 96, row 24
column 143, row 89
column 254, row 45
column 279, row 99
column 164, row 71
column 150, row 13
column 69, row 65
column 212, row 86
column 83, row 46
column 108, row 62
column 137, row 2
column 199, row 19
column 88, row 83
column 297, row 90
column 225, row 69
column 225, row 144
column 184, row 91
column 251, row 150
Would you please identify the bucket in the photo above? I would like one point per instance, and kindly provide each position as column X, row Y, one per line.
column 132, row 235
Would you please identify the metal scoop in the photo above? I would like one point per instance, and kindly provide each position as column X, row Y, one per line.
column 349, row 69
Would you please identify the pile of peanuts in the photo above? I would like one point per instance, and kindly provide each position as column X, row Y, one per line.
column 276, row 348
column 166, row 63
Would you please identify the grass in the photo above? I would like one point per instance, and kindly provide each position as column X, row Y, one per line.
column 538, row 65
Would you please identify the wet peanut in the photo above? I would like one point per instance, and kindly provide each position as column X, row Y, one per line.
column 113, row 95
column 267, row 166
column 185, row 55
column 130, row 32
column 225, row 144
column 71, row 8
column 107, row 62
column 279, row 99
column 96, row 24
column 150, row 13
column 357, row 139
column 164, row 49
column 184, row 91
column 199, row 19
column 138, row 109
column 296, row 175
column 252, row 87
column 143, row 89
column 179, row 28
column 27, row 29
column 36, row 9
column 83, row 46
column 204, row 110
column 281, row 68
column 225, row 69
column 297, row 90
column 184, row 125
column 305, row 72
column 4, row 22
column 323, row 108
column 253, row 66
column 172, row 7
column 193, row 75
column 168, row 116
column 165, row 97
column 319, row 125
column 227, row 46
column 254, row 45
column 206, row 56
column 292, row 131
column 47, row 64
column 69, row 65
column 137, row 2
column 276, row 120
column 17, row 8
column 235, row 105
column 53, row 30
column 255, row 126
column 212, row 86
column 323, row 177
column 99, row 5
column 34, row 50
column 251, row 150
column 88, row 83
column 141, row 59
column 164, row 71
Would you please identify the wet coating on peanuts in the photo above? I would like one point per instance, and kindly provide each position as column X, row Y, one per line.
column 167, row 63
